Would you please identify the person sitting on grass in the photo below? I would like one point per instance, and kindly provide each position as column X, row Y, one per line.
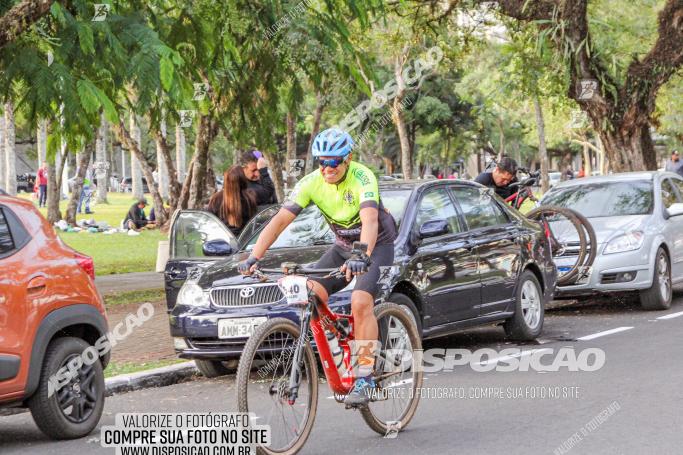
column 136, row 219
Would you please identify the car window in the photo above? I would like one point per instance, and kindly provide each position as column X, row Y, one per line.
column 668, row 194
column 604, row 199
column 6, row 241
column 437, row 205
column 679, row 184
column 479, row 208
column 395, row 202
column 192, row 229
column 308, row 228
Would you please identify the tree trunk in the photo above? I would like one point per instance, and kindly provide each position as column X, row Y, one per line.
column 210, row 177
column 21, row 17
column 205, row 135
column 3, row 183
column 180, row 153
column 317, row 117
column 42, row 142
column 162, row 167
column 276, row 167
column 619, row 108
column 135, row 164
column 542, row 150
column 184, row 199
column 398, row 118
column 128, row 142
column 83, row 160
column 290, row 120
column 101, row 161
column 53, row 192
column 173, row 185
column 10, row 151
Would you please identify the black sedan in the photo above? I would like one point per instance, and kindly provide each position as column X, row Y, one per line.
column 463, row 258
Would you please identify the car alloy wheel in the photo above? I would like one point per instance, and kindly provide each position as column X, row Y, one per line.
column 663, row 277
column 78, row 398
column 531, row 304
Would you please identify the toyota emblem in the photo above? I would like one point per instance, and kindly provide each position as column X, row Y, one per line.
column 247, row 292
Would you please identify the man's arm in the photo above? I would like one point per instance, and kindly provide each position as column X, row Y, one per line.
column 369, row 219
column 268, row 186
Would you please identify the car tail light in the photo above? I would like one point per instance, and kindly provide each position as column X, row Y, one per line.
column 86, row 263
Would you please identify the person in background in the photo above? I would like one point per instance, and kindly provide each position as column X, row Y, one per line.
column 674, row 164
column 581, row 174
column 136, row 219
column 501, row 177
column 568, row 173
column 255, row 168
column 85, row 192
column 41, row 180
column 236, row 204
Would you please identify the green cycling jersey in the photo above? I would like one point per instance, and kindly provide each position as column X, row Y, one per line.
column 340, row 203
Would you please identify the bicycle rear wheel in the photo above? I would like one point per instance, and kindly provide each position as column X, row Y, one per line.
column 591, row 238
column 399, row 381
column 263, row 380
column 567, row 240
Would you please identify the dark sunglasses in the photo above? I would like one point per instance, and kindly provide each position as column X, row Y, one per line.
column 333, row 163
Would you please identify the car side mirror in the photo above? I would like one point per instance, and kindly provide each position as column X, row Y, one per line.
column 434, row 228
column 675, row 210
column 217, row 247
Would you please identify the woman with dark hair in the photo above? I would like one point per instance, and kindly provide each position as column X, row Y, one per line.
column 235, row 205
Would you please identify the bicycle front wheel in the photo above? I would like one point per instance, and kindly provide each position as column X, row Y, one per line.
column 399, row 379
column 567, row 237
column 263, row 385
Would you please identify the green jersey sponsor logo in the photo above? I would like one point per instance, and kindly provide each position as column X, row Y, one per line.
column 348, row 197
column 369, row 194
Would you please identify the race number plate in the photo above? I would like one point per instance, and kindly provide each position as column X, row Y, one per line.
column 238, row 328
column 294, row 288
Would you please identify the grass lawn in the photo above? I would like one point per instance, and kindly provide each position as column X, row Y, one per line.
column 124, row 298
column 117, row 368
column 116, row 253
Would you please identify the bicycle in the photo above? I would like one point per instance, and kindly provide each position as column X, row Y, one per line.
column 277, row 376
column 562, row 226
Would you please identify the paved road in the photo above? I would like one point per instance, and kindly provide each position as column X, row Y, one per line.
column 642, row 375
column 137, row 281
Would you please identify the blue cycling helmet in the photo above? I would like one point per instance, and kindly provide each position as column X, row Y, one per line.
column 332, row 142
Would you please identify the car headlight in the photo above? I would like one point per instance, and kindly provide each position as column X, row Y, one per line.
column 626, row 242
column 192, row 294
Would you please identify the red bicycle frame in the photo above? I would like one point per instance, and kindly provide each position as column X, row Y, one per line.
column 323, row 319
column 517, row 199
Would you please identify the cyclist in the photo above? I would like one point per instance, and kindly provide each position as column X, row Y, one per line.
column 347, row 194
column 501, row 177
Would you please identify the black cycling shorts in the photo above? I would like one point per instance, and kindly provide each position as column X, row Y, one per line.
column 382, row 255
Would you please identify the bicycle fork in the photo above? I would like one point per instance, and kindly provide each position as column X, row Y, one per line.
column 297, row 363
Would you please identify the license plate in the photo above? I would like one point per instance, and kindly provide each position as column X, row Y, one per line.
column 238, row 328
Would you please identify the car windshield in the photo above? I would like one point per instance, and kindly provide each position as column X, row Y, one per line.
column 604, row 199
column 310, row 228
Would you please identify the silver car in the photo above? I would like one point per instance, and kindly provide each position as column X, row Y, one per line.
column 638, row 222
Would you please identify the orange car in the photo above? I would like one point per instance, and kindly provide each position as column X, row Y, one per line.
column 50, row 314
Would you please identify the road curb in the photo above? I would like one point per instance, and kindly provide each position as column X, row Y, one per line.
column 157, row 377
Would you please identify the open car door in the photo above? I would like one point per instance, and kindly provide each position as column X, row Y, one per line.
column 198, row 238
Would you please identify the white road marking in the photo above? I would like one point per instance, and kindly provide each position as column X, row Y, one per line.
column 671, row 316
column 602, row 334
column 513, row 356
